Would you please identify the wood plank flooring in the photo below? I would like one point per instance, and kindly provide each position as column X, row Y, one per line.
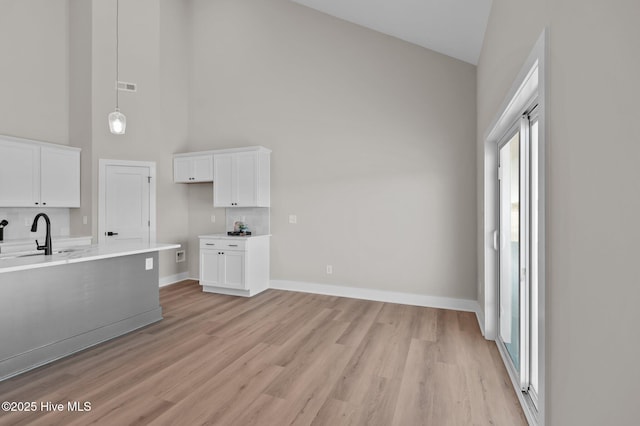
column 279, row 358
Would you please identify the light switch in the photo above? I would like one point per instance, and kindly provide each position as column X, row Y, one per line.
column 293, row 218
column 148, row 264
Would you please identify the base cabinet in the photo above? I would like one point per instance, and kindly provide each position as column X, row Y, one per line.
column 237, row 267
column 222, row 268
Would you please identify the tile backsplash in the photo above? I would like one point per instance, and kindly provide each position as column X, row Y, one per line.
column 20, row 220
column 256, row 218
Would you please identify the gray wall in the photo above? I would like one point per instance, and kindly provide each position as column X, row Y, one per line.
column 156, row 113
column 372, row 139
column 592, row 186
column 57, row 85
column 372, row 136
column 34, row 71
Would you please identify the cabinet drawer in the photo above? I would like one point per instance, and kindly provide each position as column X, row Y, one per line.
column 223, row 244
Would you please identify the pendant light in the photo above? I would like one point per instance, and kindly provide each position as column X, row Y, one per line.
column 117, row 120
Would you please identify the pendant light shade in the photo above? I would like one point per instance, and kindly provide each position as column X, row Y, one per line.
column 117, row 120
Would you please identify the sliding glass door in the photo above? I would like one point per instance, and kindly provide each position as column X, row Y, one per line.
column 510, row 220
column 518, row 248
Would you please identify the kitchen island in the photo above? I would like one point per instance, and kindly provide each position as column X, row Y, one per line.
column 53, row 306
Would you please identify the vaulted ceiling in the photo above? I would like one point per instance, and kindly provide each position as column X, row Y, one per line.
column 452, row 27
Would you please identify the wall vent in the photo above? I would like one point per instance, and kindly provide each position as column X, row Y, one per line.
column 126, row 87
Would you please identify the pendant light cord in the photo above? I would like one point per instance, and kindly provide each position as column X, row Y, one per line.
column 117, row 50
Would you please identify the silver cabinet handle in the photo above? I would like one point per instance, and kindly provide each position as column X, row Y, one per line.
column 233, row 245
column 210, row 244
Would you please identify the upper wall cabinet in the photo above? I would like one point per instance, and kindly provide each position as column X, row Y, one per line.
column 192, row 168
column 35, row 174
column 242, row 179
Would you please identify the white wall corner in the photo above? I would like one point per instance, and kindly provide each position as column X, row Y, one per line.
column 480, row 317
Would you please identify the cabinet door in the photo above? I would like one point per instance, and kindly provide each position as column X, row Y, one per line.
column 210, row 263
column 223, row 180
column 60, row 177
column 233, row 271
column 246, row 179
column 182, row 170
column 19, row 174
column 202, row 168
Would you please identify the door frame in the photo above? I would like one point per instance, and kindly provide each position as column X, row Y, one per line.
column 530, row 82
column 102, row 194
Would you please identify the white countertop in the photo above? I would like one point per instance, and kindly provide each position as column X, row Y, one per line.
column 11, row 263
column 232, row 237
column 23, row 241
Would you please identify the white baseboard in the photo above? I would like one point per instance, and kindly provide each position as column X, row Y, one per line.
column 172, row 279
column 480, row 316
column 380, row 296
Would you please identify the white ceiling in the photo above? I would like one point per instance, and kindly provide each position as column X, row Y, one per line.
column 452, row 27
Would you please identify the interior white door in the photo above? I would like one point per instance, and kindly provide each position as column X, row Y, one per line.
column 127, row 200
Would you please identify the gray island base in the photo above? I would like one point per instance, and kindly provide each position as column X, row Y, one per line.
column 47, row 313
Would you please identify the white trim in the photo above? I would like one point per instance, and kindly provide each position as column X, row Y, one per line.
column 466, row 305
column 520, row 93
column 173, row 279
column 223, row 151
column 6, row 138
column 525, row 403
column 480, row 316
column 102, row 166
column 233, row 291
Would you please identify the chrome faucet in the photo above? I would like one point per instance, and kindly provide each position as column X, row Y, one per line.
column 47, row 239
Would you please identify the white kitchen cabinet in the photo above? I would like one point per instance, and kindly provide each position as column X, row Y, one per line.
column 193, row 168
column 242, row 179
column 210, row 267
column 222, row 268
column 234, row 265
column 38, row 174
column 19, row 174
column 59, row 177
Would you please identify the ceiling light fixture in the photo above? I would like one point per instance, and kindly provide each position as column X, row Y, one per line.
column 117, row 120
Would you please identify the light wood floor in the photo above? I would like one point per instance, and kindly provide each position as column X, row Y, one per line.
column 280, row 358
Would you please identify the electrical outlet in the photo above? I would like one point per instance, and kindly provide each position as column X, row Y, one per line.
column 180, row 257
column 329, row 269
column 148, row 263
column 213, row 218
column 293, row 218
column 27, row 222
column 85, row 220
